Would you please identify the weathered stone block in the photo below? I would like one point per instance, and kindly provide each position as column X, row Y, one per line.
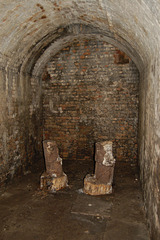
column 93, row 187
column 104, row 162
column 52, row 158
column 101, row 182
column 52, row 183
column 54, row 178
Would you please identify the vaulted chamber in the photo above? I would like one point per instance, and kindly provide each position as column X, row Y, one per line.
column 33, row 36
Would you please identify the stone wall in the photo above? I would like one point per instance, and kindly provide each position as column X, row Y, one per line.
column 20, row 125
column 90, row 94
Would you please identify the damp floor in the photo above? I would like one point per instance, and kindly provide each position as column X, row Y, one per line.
column 26, row 213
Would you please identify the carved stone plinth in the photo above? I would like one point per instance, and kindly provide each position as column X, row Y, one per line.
column 54, row 178
column 92, row 187
column 101, row 182
column 52, row 183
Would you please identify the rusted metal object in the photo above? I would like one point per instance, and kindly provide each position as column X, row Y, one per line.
column 101, row 182
column 54, row 178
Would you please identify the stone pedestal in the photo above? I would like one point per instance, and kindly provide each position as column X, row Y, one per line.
column 54, row 178
column 92, row 187
column 101, row 182
column 51, row 183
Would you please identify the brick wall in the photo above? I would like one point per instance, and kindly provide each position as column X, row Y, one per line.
column 90, row 94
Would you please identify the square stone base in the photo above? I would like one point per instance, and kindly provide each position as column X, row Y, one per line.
column 93, row 187
column 52, row 183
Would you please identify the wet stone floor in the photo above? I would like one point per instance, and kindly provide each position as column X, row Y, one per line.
column 26, row 213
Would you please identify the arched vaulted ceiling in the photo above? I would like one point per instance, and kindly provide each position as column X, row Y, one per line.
column 31, row 30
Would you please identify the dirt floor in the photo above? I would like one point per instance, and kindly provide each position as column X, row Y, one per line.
column 26, row 213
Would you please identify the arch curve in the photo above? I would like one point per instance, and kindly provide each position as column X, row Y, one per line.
column 31, row 32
